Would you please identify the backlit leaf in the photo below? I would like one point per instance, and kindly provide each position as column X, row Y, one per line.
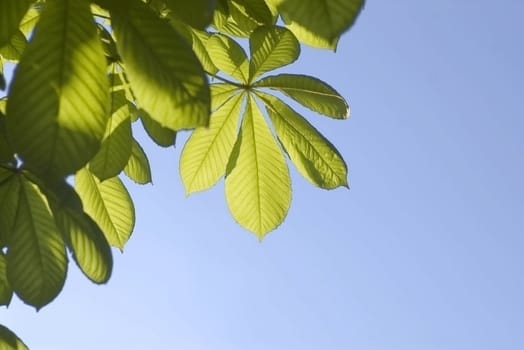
column 258, row 188
column 11, row 13
column 206, row 152
column 221, row 93
column 109, row 204
column 249, row 14
column 6, row 292
column 313, row 155
column 58, row 101
column 165, row 75
column 161, row 135
column 310, row 92
column 137, row 168
column 36, row 258
column 271, row 48
column 228, row 56
column 197, row 13
column 9, row 340
column 12, row 51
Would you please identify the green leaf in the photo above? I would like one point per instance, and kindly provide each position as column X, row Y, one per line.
column 28, row 22
column 310, row 92
column 2, row 78
column 11, row 13
column 109, row 204
column 319, row 23
column 313, row 155
column 206, row 152
column 6, row 152
column 108, row 44
column 228, row 56
column 223, row 21
column 165, row 75
column 251, row 13
column 9, row 340
column 221, row 93
column 58, row 101
column 115, row 150
column 197, row 39
column 196, row 13
column 9, row 190
column 162, row 136
column 36, row 257
column 12, row 51
column 137, row 168
column 83, row 236
column 6, row 292
column 271, row 48
column 258, row 188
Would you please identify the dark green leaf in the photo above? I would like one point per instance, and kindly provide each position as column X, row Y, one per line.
column 165, row 75
column 6, row 292
column 11, row 13
column 196, row 13
column 12, row 51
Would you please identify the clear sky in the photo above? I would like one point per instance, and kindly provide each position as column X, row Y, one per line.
column 424, row 252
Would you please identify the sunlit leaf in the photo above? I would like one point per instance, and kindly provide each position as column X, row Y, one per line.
column 319, row 22
column 161, row 135
column 58, row 101
column 6, row 292
column 28, row 22
column 271, row 48
column 310, row 92
column 36, row 258
column 197, row 13
column 83, row 236
column 12, row 51
column 228, row 56
column 11, row 13
column 165, row 75
column 116, row 146
column 109, row 204
column 313, row 155
column 258, row 188
column 206, row 152
column 9, row 340
column 221, row 93
column 137, row 168
column 223, row 21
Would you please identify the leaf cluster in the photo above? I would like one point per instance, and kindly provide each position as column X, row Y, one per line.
column 87, row 73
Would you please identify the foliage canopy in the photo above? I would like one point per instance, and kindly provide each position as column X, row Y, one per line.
column 86, row 71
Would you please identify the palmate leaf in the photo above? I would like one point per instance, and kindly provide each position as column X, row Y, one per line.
column 310, row 92
column 228, row 56
column 36, row 258
column 319, row 23
column 221, row 93
column 58, row 101
column 109, row 204
column 165, row 75
column 258, row 188
column 6, row 292
column 223, row 21
column 137, row 168
column 271, row 48
column 206, row 152
column 9, row 340
column 83, row 236
column 313, row 155
column 11, row 13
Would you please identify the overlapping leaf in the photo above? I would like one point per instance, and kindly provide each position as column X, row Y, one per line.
column 258, row 188
column 12, row 51
column 36, row 258
column 271, row 48
column 161, row 135
column 228, row 56
column 11, row 13
column 109, row 204
column 313, row 155
column 6, row 292
column 166, row 76
column 57, row 107
column 310, row 92
column 206, row 152
column 197, row 13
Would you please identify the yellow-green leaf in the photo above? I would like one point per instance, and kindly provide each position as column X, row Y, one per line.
column 58, row 101
column 109, row 204
column 258, row 188
column 161, row 135
column 165, row 75
column 228, row 56
column 36, row 257
column 12, row 51
column 206, row 152
column 271, row 48
column 313, row 155
column 137, row 168
column 9, row 340
column 310, row 92
column 221, row 93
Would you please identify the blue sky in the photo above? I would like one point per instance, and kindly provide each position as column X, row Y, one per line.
column 424, row 252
